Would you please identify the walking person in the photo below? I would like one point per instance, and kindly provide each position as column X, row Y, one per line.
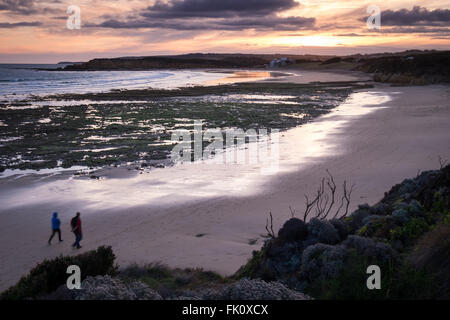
column 76, row 229
column 56, row 224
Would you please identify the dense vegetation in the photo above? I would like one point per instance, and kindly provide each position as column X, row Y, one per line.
column 414, row 68
column 51, row 274
column 407, row 234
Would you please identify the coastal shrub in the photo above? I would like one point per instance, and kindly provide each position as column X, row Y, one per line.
column 401, row 215
column 341, row 228
column 249, row 270
column 403, row 212
column 446, row 218
column 322, row 261
column 107, row 288
column 356, row 220
column 380, row 209
column 168, row 282
column 372, row 218
column 255, row 289
column 410, row 231
column 439, row 203
column 432, row 253
column 51, row 274
column 415, row 208
column 368, row 247
column 363, row 231
column 278, row 258
column 323, row 231
column 378, row 227
column 397, row 282
column 293, row 230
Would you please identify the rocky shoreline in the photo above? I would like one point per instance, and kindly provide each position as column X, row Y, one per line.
column 134, row 127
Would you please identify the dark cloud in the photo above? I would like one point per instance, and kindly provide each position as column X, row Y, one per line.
column 349, row 35
column 417, row 16
column 217, row 8
column 418, row 29
column 6, row 25
column 213, row 15
column 268, row 23
column 26, row 7
column 18, row 6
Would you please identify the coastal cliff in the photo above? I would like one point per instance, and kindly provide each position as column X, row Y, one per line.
column 411, row 67
column 185, row 61
column 414, row 68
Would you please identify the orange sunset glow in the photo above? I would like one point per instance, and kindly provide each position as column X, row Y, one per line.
column 36, row 31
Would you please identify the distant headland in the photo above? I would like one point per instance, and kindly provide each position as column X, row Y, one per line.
column 407, row 67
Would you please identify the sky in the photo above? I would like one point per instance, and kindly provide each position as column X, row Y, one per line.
column 36, row 31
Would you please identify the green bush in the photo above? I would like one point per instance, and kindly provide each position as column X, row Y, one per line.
column 250, row 269
column 51, row 274
column 398, row 281
column 411, row 231
column 168, row 281
column 440, row 204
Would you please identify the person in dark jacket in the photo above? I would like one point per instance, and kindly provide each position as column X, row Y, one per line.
column 56, row 224
column 76, row 229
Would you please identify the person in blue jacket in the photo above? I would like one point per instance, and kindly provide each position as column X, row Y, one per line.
column 56, row 223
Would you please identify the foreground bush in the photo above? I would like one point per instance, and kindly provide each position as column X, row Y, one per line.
column 107, row 288
column 399, row 282
column 51, row 274
column 171, row 282
column 407, row 234
column 432, row 253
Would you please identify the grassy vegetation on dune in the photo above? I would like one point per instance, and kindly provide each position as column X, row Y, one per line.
column 168, row 282
column 49, row 275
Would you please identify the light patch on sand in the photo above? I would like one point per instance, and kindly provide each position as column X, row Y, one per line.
column 45, row 120
column 294, row 115
column 17, row 173
column 98, row 150
column 10, row 139
column 22, row 107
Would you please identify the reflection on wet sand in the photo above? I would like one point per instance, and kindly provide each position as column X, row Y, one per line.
column 244, row 76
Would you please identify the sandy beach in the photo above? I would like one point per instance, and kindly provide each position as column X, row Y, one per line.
column 205, row 215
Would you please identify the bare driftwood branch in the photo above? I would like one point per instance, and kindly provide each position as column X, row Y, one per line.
column 309, row 206
column 325, row 199
column 442, row 163
column 270, row 232
column 332, row 186
column 347, row 196
column 292, row 212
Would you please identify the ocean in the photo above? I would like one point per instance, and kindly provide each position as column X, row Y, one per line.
column 20, row 80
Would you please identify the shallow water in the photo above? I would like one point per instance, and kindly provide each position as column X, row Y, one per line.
column 186, row 182
column 21, row 81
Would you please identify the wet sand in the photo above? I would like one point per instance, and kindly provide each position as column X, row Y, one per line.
column 376, row 139
column 330, row 75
